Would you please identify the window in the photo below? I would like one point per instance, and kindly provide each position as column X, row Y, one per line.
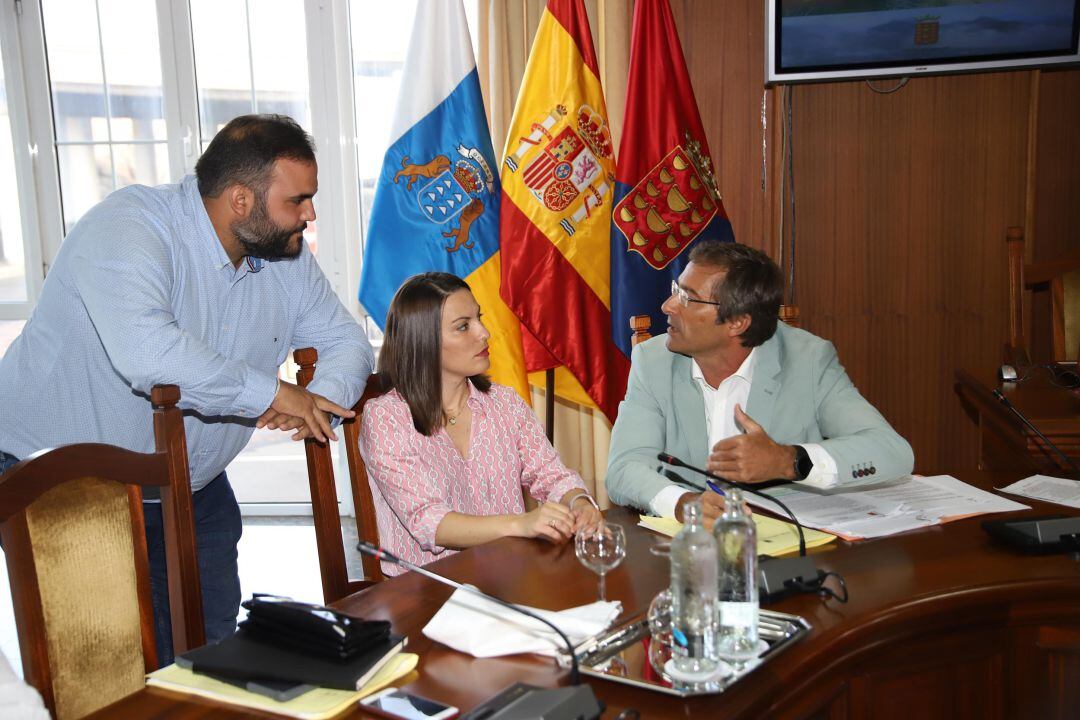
column 104, row 68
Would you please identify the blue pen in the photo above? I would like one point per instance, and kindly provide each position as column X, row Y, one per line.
column 715, row 488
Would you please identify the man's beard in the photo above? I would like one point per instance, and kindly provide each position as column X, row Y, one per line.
column 262, row 238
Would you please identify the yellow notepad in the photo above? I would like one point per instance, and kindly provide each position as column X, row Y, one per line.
column 316, row 704
column 774, row 537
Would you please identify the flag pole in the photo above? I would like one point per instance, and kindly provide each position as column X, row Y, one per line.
column 549, row 405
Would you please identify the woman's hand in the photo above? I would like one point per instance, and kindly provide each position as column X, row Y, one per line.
column 551, row 521
column 586, row 514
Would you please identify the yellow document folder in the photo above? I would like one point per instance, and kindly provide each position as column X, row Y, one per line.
column 317, row 704
column 774, row 537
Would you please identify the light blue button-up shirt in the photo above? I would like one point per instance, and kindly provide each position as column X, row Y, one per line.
column 143, row 293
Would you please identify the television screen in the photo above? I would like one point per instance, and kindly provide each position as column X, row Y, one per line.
column 836, row 39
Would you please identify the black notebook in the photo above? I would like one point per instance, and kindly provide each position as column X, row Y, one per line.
column 243, row 657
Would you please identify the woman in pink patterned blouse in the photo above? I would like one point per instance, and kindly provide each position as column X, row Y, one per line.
column 447, row 451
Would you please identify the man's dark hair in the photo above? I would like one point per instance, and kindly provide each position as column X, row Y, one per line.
column 411, row 356
column 245, row 150
column 753, row 285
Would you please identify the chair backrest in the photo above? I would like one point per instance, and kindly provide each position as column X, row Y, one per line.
column 71, row 519
column 324, row 500
column 1062, row 278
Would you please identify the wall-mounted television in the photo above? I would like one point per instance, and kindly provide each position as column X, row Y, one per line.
column 809, row 40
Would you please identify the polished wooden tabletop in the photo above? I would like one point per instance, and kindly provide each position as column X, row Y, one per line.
column 943, row 595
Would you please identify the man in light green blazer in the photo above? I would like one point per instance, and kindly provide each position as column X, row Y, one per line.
column 731, row 389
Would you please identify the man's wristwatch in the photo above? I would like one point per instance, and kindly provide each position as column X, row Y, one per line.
column 803, row 463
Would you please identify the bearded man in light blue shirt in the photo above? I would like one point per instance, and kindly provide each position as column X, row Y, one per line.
column 208, row 285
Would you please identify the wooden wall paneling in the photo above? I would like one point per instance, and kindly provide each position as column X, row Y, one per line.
column 724, row 47
column 901, row 200
column 1056, row 217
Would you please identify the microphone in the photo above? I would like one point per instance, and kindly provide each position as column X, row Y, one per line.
column 1012, row 408
column 520, row 700
column 777, row 577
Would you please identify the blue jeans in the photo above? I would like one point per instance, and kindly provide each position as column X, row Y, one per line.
column 217, row 530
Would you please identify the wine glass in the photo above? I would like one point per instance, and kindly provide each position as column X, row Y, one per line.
column 601, row 549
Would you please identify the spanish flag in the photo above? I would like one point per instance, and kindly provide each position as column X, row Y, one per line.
column 558, row 175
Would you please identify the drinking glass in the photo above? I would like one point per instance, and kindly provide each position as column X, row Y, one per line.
column 601, row 549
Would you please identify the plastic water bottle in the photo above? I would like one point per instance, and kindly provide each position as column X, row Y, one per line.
column 736, row 545
column 693, row 599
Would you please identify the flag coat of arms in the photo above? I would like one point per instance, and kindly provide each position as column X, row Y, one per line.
column 666, row 195
column 558, row 175
column 437, row 201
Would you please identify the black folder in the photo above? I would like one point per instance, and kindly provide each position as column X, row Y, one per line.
column 242, row 657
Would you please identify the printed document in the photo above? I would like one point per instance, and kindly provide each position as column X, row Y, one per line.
column 1051, row 489
column 888, row 508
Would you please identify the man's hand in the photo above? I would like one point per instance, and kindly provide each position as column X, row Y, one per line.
column 712, row 506
column 752, row 457
column 294, row 408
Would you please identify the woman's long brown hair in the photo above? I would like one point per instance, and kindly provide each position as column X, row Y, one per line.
column 411, row 357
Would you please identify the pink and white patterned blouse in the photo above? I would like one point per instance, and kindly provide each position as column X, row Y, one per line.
column 417, row 480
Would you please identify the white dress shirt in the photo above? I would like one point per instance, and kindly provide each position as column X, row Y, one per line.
column 720, row 424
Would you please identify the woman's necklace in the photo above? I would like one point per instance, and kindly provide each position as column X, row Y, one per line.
column 451, row 418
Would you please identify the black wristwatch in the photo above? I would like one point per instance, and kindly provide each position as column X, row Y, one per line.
column 803, row 463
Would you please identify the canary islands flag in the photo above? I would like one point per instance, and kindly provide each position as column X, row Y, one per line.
column 666, row 196
column 558, row 171
column 437, row 201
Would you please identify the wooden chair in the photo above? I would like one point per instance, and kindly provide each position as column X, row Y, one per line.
column 73, row 532
column 1062, row 278
column 324, row 499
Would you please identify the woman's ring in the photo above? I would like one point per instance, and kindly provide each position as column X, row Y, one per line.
column 551, row 523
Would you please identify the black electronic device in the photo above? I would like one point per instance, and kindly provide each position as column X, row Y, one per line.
column 570, row 703
column 1038, row 535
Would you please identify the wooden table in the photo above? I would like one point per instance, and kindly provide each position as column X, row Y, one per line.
column 1005, row 443
column 942, row 623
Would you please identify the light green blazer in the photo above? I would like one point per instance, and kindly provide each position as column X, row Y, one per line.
column 799, row 394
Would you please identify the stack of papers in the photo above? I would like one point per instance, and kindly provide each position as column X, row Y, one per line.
column 1050, row 489
column 774, row 537
column 313, row 705
column 896, row 506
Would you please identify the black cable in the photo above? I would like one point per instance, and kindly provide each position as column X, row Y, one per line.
column 901, row 83
column 818, row 587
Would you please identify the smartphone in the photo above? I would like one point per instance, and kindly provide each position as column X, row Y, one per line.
column 395, row 703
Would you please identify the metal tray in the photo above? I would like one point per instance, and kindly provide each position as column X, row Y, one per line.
column 622, row 655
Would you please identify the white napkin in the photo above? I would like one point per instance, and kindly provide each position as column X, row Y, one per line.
column 481, row 628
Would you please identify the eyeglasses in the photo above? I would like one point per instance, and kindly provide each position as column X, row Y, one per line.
column 685, row 299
